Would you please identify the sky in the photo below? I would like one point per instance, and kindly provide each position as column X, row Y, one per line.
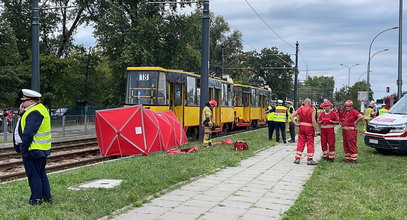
column 329, row 33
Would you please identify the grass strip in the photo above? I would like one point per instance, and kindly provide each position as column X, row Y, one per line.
column 375, row 188
column 143, row 176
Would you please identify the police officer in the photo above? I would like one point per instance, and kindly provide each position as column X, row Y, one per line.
column 32, row 137
column 280, row 118
column 290, row 124
column 270, row 119
column 207, row 122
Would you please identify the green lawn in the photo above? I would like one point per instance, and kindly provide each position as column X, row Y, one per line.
column 143, row 176
column 375, row 188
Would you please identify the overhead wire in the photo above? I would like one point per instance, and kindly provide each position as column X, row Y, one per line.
column 264, row 21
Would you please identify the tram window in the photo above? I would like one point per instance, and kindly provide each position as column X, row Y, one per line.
column 246, row 98
column 230, row 95
column 256, row 101
column 191, row 91
column 239, row 96
column 178, row 95
column 224, row 94
column 142, row 87
column 162, row 90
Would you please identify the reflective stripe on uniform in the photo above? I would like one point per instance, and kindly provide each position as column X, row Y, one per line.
column 327, row 126
column 348, row 128
column 305, row 124
column 281, row 114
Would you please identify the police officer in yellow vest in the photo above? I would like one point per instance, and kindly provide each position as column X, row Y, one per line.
column 290, row 124
column 270, row 119
column 32, row 137
column 280, row 118
column 207, row 122
column 369, row 113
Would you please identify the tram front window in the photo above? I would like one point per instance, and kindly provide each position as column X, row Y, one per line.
column 146, row 87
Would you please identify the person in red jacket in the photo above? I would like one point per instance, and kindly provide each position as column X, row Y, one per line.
column 327, row 120
column 306, row 131
column 350, row 120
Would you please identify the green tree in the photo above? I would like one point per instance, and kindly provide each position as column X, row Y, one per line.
column 273, row 68
column 352, row 93
column 10, row 72
column 317, row 88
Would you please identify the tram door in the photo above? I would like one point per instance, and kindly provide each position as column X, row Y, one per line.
column 177, row 100
column 247, row 102
column 263, row 107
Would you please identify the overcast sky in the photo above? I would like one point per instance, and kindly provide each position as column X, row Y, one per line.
column 330, row 33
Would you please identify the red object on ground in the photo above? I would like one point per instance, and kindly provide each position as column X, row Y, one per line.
column 136, row 131
column 227, row 141
column 182, row 151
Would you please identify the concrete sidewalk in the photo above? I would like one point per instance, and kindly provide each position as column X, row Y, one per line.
column 261, row 187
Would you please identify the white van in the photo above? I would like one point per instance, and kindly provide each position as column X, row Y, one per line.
column 387, row 132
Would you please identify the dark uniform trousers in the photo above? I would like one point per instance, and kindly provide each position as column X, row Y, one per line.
column 37, row 179
column 292, row 130
column 280, row 126
column 270, row 125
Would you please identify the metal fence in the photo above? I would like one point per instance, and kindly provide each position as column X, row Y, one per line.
column 70, row 125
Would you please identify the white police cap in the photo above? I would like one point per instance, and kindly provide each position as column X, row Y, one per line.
column 28, row 94
column 280, row 101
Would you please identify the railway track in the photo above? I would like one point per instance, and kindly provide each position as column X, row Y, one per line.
column 67, row 154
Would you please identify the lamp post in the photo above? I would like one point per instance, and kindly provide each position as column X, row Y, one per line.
column 370, row 57
column 35, row 45
column 349, row 71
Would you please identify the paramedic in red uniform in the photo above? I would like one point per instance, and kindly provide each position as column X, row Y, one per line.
column 349, row 122
column 306, row 131
column 327, row 120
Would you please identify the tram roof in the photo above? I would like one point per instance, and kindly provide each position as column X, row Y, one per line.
column 174, row 71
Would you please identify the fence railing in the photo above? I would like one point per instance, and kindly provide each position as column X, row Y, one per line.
column 70, row 125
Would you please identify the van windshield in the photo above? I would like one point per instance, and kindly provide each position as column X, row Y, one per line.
column 400, row 107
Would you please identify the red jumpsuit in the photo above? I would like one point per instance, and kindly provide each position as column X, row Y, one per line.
column 305, row 132
column 328, row 133
column 349, row 134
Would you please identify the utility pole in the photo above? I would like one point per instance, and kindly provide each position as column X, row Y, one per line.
column 35, row 46
column 296, row 77
column 400, row 55
column 204, row 65
column 223, row 61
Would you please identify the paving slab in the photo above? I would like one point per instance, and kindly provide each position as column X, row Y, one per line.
column 261, row 187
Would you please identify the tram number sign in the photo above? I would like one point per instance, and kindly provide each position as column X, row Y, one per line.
column 143, row 77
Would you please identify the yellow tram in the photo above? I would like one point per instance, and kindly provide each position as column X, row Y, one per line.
column 162, row 89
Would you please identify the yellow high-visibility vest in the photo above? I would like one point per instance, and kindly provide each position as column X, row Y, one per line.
column 42, row 139
column 270, row 115
column 281, row 114
column 289, row 113
column 368, row 113
column 207, row 113
column 383, row 111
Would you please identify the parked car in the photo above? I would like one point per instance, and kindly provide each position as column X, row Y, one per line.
column 388, row 132
column 59, row 113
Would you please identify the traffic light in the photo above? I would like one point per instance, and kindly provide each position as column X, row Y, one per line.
column 387, row 89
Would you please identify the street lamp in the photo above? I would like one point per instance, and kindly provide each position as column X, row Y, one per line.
column 370, row 57
column 349, row 71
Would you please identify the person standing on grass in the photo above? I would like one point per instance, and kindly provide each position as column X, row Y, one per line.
column 290, row 124
column 327, row 120
column 306, row 131
column 350, row 120
column 270, row 119
column 32, row 138
column 207, row 122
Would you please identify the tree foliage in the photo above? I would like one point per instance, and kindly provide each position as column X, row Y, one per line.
column 317, row 88
column 351, row 93
column 10, row 73
column 273, row 68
